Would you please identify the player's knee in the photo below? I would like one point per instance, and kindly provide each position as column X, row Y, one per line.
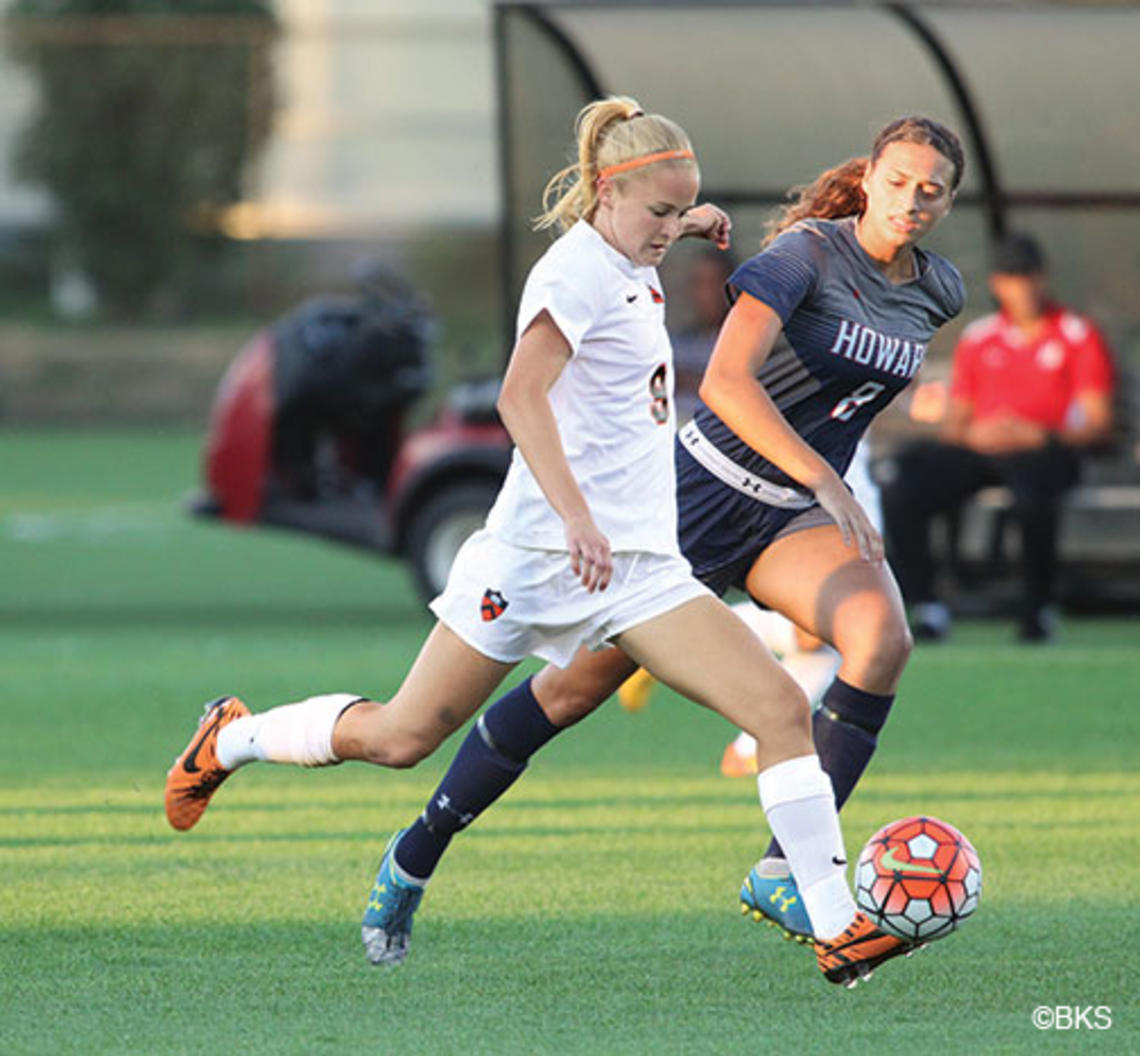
column 894, row 645
column 879, row 646
column 784, row 732
column 779, row 715
column 886, row 655
column 790, row 725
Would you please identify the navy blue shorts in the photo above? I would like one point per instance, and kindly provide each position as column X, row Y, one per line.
column 722, row 531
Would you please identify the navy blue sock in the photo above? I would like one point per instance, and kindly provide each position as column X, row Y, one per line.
column 488, row 762
column 517, row 724
column 845, row 728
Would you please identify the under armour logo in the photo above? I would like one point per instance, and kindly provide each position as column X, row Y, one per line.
column 777, row 897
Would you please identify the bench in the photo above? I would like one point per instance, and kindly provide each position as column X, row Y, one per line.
column 1099, row 544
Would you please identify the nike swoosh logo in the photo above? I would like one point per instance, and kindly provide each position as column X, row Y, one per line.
column 630, row 298
column 889, row 861
column 191, row 763
column 836, row 860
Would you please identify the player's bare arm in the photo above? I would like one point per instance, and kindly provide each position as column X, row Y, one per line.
column 710, row 222
column 731, row 391
column 524, row 406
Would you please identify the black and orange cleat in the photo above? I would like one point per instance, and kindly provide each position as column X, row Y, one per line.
column 196, row 774
column 858, row 951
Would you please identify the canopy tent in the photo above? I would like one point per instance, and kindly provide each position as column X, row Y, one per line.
column 1043, row 95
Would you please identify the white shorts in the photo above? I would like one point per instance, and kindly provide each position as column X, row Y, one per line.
column 509, row 603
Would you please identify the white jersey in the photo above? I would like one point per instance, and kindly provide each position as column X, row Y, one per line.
column 613, row 402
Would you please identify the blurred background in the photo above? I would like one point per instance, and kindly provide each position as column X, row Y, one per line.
column 175, row 177
column 172, row 175
column 261, row 255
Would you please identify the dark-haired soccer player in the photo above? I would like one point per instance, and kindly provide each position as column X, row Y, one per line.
column 830, row 322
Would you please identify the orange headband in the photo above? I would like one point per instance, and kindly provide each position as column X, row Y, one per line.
column 645, row 159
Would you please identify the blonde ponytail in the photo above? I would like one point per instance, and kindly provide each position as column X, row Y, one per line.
column 608, row 132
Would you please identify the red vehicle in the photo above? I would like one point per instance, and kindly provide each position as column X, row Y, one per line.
column 307, row 432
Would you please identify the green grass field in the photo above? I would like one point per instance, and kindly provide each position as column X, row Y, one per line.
column 593, row 911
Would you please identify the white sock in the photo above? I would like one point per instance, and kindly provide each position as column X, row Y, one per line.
column 813, row 671
column 745, row 744
column 774, row 629
column 293, row 733
column 799, row 802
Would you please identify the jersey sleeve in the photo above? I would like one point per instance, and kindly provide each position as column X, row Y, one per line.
column 783, row 274
column 569, row 297
column 947, row 286
column 1094, row 367
column 955, row 291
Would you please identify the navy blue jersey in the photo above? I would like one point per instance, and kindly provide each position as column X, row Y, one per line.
column 851, row 340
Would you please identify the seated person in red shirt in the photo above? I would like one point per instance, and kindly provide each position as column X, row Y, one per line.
column 1031, row 387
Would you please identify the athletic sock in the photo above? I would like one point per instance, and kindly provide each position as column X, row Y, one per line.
column 774, row 629
column 845, row 728
column 405, row 877
column 488, row 762
column 298, row 733
column 745, row 744
column 798, row 801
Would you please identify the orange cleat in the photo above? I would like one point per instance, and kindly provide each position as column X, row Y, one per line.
column 634, row 692
column 195, row 775
column 856, row 953
column 735, row 763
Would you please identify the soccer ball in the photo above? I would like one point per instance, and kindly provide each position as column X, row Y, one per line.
column 918, row 878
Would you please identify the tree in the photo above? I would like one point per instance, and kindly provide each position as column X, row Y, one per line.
column 150, row 115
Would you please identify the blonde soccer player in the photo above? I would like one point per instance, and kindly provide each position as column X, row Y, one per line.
column 580, row 550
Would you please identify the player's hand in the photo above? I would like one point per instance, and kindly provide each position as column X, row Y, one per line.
column 711, row 222
column 590, row 555
column 854, row 524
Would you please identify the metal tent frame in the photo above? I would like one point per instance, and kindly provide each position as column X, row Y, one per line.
column 993, row 199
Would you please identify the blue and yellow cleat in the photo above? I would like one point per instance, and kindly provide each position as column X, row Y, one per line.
column 770, row 893
column 387, row 927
